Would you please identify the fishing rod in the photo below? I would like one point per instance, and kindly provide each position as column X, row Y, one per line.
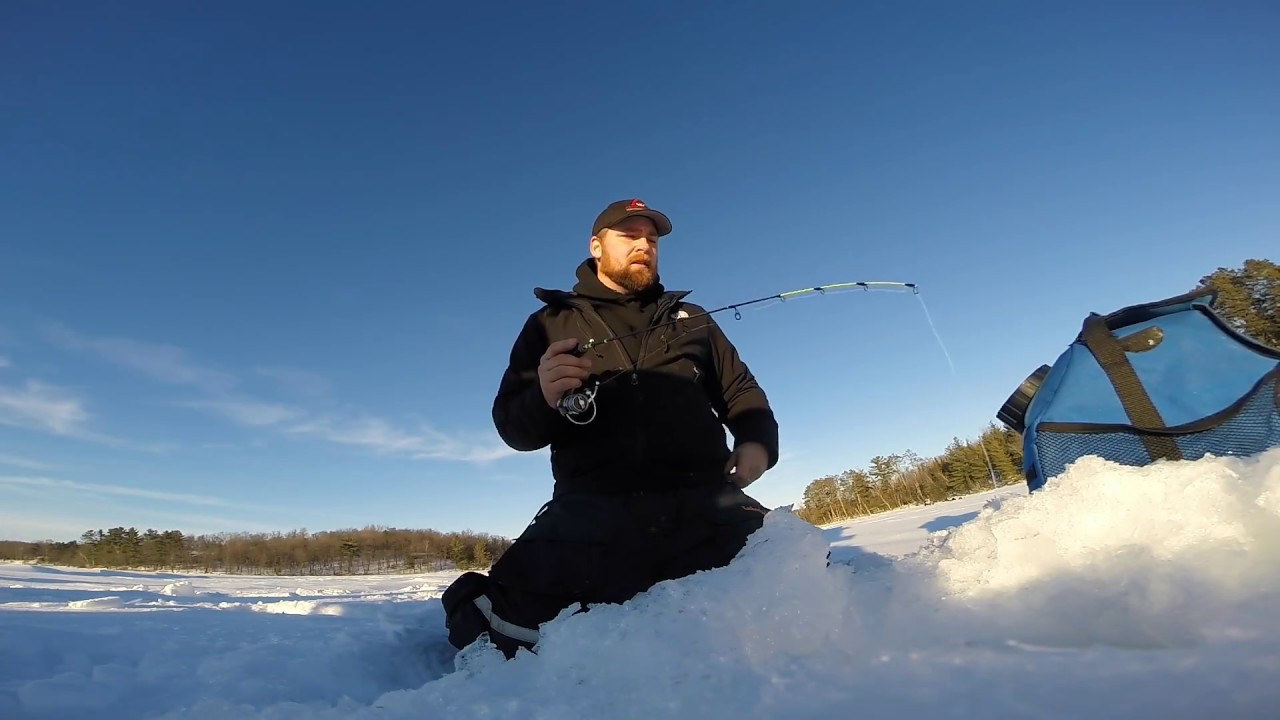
column 576, row 404
column 737, row 313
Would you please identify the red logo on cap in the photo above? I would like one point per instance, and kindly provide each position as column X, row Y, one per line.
column 636, row 205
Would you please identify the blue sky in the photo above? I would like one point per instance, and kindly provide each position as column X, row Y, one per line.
column 261, row 265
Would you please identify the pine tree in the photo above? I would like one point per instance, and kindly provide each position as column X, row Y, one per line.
column 480, row 554
column 89, row 547
column 995, row 441
column 966, row 467
column 820, row 501
column 856, row 485
column 884, row 468
column 1249, row 298
column 349, row 550
column 458, row 553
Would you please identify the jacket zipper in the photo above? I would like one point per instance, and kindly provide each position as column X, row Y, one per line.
column 663, row 307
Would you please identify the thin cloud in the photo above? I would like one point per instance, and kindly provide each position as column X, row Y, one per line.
column 384, row 438
column 369, row 432
column 164, row 363
column 42, row 407
column 169, row 364
column 788, row 457
column 55, row 410
column 21, row 462
column 247, row 411
column 5, row 362
column 120, row 490
column 86, row 506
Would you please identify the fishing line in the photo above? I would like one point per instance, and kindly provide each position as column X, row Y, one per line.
column 929, row 319
column 991, row 468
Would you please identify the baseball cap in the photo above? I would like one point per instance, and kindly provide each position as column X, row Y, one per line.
column 620, row 210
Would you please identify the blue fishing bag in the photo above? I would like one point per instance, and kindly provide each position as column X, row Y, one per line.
column 1167, row 380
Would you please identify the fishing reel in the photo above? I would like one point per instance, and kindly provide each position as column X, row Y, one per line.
column 579, row 403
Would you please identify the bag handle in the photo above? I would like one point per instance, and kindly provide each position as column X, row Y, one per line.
column 1142, row 412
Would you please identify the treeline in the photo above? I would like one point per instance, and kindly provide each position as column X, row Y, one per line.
column 1248, row 298
column 370, row 550
column 893, row 481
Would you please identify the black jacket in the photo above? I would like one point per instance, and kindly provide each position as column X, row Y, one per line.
column 664, row 402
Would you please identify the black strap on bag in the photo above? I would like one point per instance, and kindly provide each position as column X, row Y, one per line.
column 1142, row 412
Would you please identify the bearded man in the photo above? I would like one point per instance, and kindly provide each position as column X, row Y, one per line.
column 646, row 487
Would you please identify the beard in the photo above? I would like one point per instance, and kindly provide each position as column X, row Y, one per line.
column 632, row 278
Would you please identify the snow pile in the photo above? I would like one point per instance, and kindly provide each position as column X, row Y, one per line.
column 1213, row 519
column 297, row 607
column 1115, row 592
column 178, row 589
column 98, row 603
column 1151, row 556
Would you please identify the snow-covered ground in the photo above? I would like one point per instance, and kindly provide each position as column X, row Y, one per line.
column 902, row 532
column 1116, row 592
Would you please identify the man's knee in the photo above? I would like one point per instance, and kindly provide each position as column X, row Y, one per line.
column 474, row 606
column 716, row 533
column 736, row 516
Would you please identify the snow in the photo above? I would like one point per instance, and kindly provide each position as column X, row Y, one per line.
column 1114, row 592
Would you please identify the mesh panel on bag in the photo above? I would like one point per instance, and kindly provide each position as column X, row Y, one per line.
column 1253, row 429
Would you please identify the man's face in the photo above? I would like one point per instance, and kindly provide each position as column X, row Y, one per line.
column 627, row 253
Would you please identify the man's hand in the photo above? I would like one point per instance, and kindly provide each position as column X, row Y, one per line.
column 747, row 463
column 560, row 370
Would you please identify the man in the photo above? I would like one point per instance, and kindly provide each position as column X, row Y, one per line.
column 646, row 487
